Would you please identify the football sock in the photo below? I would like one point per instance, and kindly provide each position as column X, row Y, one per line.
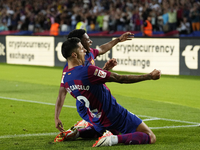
column 88, row 132
column 134, row 138
column 114, row 132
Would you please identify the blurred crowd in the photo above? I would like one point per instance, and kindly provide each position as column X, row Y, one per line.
column 100, row 15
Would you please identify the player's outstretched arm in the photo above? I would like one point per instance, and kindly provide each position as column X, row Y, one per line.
column 110, row 64
column 107, row 46
column 58, row 107
column 154, row 75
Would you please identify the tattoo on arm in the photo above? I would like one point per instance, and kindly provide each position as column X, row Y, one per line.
column 114, row 77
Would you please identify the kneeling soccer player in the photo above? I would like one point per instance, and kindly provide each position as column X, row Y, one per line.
column 96, row 105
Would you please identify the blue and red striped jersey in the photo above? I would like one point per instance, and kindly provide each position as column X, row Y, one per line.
column 89, row 60
column 94, row 101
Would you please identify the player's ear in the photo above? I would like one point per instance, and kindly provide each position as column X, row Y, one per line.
column 74, row 54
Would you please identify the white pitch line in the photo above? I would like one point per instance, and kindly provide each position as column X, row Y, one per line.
column 150, row 117
column 167, row 127
column 30, row 101
column 179, row 121
column 28, row 135
column 173, row 120
column 56, row 133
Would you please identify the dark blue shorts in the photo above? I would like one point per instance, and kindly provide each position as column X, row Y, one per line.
column 128, row 124
column 125, row 122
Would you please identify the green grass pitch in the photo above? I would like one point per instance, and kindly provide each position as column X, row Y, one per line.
column 169, row 106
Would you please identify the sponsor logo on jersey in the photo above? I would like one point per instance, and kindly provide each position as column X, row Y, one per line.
column 95, row 72
column 102, row 74
column 62, row 80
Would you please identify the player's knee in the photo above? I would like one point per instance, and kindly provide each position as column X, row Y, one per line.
column 153, row 138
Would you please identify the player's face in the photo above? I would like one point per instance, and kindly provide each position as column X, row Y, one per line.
column 86, row 42
column 81, row 52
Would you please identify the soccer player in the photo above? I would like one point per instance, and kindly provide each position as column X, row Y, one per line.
column 95, row 103
column 90, row 56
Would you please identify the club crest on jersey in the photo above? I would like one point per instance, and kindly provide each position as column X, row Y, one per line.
column 92, row 62
column 101, row 74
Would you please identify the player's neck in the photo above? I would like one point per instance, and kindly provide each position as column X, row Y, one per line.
column 73, row 63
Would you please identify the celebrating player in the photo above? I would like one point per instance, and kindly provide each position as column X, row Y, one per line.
column 96, row 105
column 90, row 56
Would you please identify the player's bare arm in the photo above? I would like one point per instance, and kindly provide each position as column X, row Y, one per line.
column 154, row 75
column 59, row 104
column 110, row 64
column 107, row 46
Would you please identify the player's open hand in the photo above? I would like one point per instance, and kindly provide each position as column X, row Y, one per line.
column 110, row 64
column 59, row 125
column 155, row 74
column 126, row 36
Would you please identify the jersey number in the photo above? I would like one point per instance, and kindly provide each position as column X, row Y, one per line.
column 87, row 104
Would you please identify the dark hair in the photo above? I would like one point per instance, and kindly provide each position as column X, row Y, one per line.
column 69, row 45
column 76, row 33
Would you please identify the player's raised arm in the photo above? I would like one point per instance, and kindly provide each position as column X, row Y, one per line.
column 154, row 75
column 59, row 104
column 107, row 46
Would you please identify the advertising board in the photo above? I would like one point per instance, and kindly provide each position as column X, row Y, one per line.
column 146, row 54
column 30, row 50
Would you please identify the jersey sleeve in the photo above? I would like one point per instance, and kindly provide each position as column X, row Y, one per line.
column 62, row 80
column 97, row 75
column 95, row 52
column 63, row 74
